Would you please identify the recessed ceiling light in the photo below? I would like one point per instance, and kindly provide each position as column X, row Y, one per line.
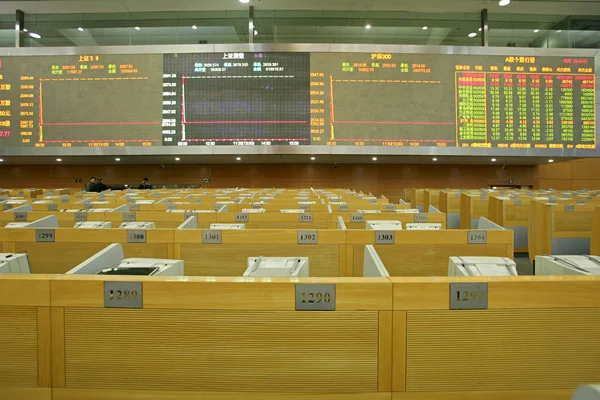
column 550, row 161
column 559, row 31
column 434, row 159
column 80, row 29
column 194, row 27
column 59, row 159
column 313, row 158
column 1, row 160
column 117, row 159
column 536, row 30
column 503, row 3
column 374, row 158
column 368, row 26
column 137, row 28
column 493, row 160
column 480, row 29
column 425, row 28
column 245, row 1
column 239, row 158
column 35, row 35
column 472, row 34
column 177, row 159
column 25, row 30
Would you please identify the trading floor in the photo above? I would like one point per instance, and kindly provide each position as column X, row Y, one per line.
column 298, row 294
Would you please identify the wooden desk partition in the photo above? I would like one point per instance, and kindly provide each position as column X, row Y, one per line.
column 530, row 344
column 223, row 338
column 25, row 337
column 327, row 258
column 595, row 238
column 472, row 207
column 277, row 220
column 73, row 246
column 425, row 253
column 434, row 218
column 514, row 215
column 450, row 205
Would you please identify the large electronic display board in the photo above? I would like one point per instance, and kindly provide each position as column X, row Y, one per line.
column 295, row 99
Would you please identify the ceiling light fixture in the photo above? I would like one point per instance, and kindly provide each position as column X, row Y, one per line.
column 313, row 158
column 503, row 3
column 194, row 27
column 493, row 160
column 435, row 159
column 117, row 159
column 559, row 31
column 255, row 32
column 35, row 35
column 25, row 30
column 177, row 159
column 80, row 29
column 425, row 28
column 480, row 29
column 137, row 28
column 59, row 159
column 374, row 158
column 550, row 161
column 1, row 160
column 239, row 158
column 368, row 26
column 244, row 1
column 472, row 34
column 536, row 30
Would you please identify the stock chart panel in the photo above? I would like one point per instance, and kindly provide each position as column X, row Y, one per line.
column 453, row 100
column 242, row 99
column 83, row 100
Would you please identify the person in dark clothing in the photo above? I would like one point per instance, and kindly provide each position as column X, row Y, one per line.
column 145, row 184
column 99, row 186
column 90, row 185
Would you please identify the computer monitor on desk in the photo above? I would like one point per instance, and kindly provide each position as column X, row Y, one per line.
column 277, row 267
column 14, row 264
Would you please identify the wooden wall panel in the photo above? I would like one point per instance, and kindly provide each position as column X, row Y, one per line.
column 503, row 347
column 252, row 351
column 18, row 346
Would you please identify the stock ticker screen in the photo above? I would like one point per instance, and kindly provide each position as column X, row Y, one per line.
column 295, row 99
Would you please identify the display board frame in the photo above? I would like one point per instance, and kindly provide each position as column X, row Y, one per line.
column 314, row 150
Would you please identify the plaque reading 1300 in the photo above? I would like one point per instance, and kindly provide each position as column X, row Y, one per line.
column 296, row 99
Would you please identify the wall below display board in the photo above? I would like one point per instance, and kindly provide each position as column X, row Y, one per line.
column 387, row 179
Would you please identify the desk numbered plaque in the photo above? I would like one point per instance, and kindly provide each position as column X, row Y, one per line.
column 468, row 296
column 20, row 216
column 305, row 207
column 129, row 217
column 241, row 217
column 343, row 208
column 308, row 237
column 212, row 237
column 136, row 236
column 306, row 217
column 123, row 294
column 134, row 207
column 421, row 217
column 390, row 207
column 477, row 237
column 80, row 216
column 385, row 237
column 357, row 217
column 315, row 297
column 189, row 215
column 45, row 235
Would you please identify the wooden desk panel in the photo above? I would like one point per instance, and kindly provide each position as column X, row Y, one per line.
column 18, row 346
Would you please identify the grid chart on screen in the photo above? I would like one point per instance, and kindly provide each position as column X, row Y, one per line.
column 238, row 98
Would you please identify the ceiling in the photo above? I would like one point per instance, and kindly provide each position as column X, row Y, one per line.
column 556, row 7
column 278, row 159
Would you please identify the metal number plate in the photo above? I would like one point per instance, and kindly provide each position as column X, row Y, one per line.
column 306, row 217
column 308, row 237
column 52, row 207
column 241, row 217
column 483, row 196
column 373, row 201
column 212, row 237
column 136, row 236
column 305, row 207
column 171, row 206
column 44, row 235
column 569, row 208
column 421, row 217
column 80, row 216
column 385, row 237
column 315, row 297
column 123, row 294
column 343, row 207
column 518, row 202
column 189, row 215
column 6, row 206
column 477, row 237
column 218, row 206
column 197, row 201
column 65, row 201
column 129, row 217
column 468, row 296
column 256, row 206
column 20, row 216
column 390, row 207
column 134, row 207
column 357, row 217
